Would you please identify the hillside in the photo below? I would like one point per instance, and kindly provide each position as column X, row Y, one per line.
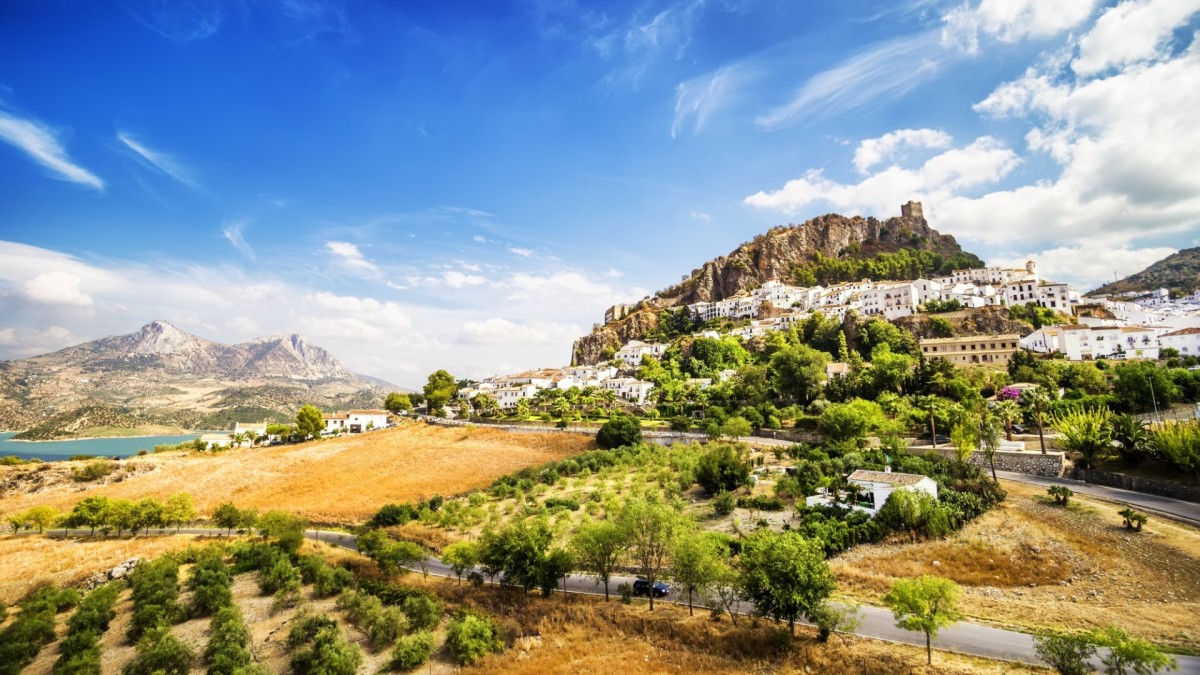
column 825, row 250
column 1179, row 272
column 162, row 376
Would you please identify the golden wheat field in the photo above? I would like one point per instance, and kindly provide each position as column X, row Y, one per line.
column 1031, row 564
column 340, row 480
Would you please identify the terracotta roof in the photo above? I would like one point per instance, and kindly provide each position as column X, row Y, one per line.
column 367, row 412
column 1182, row 331
column 886, row 477
column 336, row 416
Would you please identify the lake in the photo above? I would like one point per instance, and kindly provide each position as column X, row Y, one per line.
column 57, row 451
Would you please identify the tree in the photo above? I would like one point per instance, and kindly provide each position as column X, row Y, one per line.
column 227, row 516
column 834, row 619
column 1085, row 431
column 439, row 388
column 179, row 509
column 309, row 421
column 1037, row 399
column 1129, row 654
column 599, row 546
column 851, row 421
column 797, row 372
column 555, row 567
column 89, row 512
column 989, row 437
column 41, row 517
column 735, row 427
column 650, row 527
column 619, row 431
column 470, row 636
column 518, row 551
column 784, row 575
column 1065, row 653
column 962, row 436
column 720, row 469
column 927, row 604
column 1131, row 433
column 694, row 559
column 461, row 556
column 397, row 403
column 147, row 513
column 726, row 580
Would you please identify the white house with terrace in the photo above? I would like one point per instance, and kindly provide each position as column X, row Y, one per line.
column 355, row 421
column 876, row 486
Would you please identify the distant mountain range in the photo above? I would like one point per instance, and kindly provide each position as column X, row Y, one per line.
column 816, row 251
column 164, row 378
column 1179, row 272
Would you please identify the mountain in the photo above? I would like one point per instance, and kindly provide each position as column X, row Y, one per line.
column 827, row 249
column 163, row 377
column 1179, row 272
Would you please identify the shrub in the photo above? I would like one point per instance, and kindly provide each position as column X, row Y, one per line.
column 560, row 503
column 412, row 650
column 155, row 591
column 326, row 653
column 94, row 470
column 1066, row 654
column 228, row 650
column 424, row 611
column 33, row 627
column 619, row 431
column 278, row 574
column 471, row 636
column 1061, row 494
column 382, row 625
column 210, row 583
column 723, row 504
column 160, row 653
column 761, row 503
column 721, row 469
column 393, row 514
column 1134, row 520
column 79, row 652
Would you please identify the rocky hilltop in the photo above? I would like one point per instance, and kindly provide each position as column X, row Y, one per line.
column 784, row 253
column 1179, row 272
column 161, row 376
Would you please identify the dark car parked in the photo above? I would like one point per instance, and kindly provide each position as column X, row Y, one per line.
column 941, row 440
column 1018, row 429
column 642, row 587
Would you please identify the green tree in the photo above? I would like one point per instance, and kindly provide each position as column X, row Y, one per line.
column 89, row 512
column 160, row 653
column 397, row 403
column 1131, row 433
column 439, row 388
column 694, row 559
column 309, row 421
column 989, row 440
column 650, row 528
column 1067, row 654
column 179, row 509
column 461, row 556
column 784, row 575
column 963, row 437
column 470, row 636
column 227, row 516
column 927, row 604
column 1179, row 444
column 736, row 427
column 599, row 546
column 851, row 421
column 721, row 469
column 1140, row 385
column 798, row 372
column 619, row 431
column 1085, row 431
column 518, row 550
column 1127, row 654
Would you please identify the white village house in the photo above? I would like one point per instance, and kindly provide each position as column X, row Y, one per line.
column 877, row 486
column 355, row 421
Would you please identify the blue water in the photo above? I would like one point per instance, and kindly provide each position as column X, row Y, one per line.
column 57, row 451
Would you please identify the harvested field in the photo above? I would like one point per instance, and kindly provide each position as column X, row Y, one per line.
column 341, row 480
column 29, row 561
column 1031, row 564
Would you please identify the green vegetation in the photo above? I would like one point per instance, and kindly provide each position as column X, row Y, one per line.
column 319, row 648
column 160, row 653
column 21, row 641
column 470, row 636
column 619, row 431
column 927, row 604
column 412, row 650
column 79, row 652
column 155, row 592
column 94, row 470
column 904, row 264
column 784, row 575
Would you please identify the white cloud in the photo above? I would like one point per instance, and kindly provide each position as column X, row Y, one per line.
column 351, row 258
column 641, row 41
column 698, row 99
column 1090, row 264
column 233, row 234
column 503, row 331
column 159, row 160
column 887, row 69
column 984, row 161
column 700, row 215
column 455, row 279
column 57, row 288
column 1133, row 31
column 522, row 252
column 1012, row 20
column 872, row 151
column 43, row 146
column 479, row 238
column 365, row 311
column 179, row 20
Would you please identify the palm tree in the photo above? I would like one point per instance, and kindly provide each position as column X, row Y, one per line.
column 1133, row 436
column 1009, row 413
column 1038, row 398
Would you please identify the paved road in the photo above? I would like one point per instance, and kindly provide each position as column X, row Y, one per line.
column 1186, row 511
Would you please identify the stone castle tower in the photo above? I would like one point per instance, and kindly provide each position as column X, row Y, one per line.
column 912, row 210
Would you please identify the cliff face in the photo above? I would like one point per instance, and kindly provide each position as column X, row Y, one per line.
column 773, row 255
column 984, row 321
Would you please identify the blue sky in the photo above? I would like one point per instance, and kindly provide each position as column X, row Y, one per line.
column 468, row 186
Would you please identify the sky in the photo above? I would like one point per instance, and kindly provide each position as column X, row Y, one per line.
column 468, row 186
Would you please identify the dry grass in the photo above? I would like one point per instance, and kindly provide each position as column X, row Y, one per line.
column 1030, row 564
column 342, row 480
column 29, row 561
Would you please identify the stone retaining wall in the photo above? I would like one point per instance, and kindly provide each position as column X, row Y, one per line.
column 793, row 435
column 1161, row 488
column 1049, row 465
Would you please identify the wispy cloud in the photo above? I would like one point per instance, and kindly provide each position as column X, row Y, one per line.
column 274, row 200
column 159, row 160
column 522, row 252
column 888, row 69
column 233, row 233
column 700, row 215
column 642, row 40
column 351, row 258
column 468, row 211
column 316, row 16
column 699, row 98
column 178, row 20
column 43, row 146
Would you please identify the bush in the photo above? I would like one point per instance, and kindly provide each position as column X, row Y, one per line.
column 619, row 431
column 79, row 652
column 723, row 504
column 155, row 591
column 412, row 650
column 326, row 653
column 471, row 636
column 228, row 650
column 761, row 503
column 278, row 574
column 160, row 653
column 561, row 503
column 33, row 627
column 382, row 625
column 393, row 514
column 1066, row 654
column 1061, row 494
column 721, row 469
column 424, row 611
column 210, row 583
column 94, row 470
